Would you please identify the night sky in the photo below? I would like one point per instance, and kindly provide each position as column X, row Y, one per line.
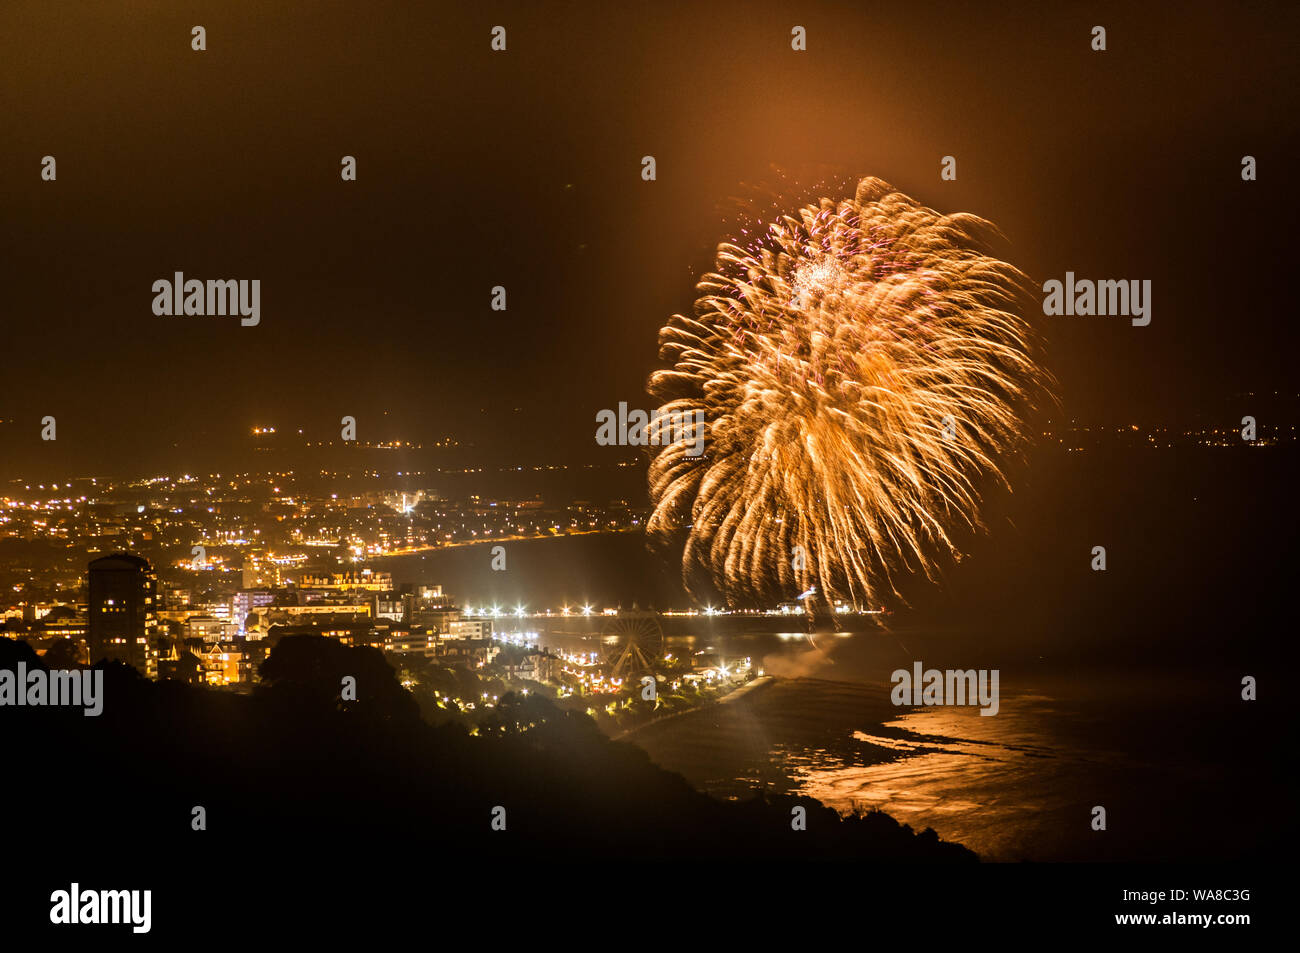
column 522, row 169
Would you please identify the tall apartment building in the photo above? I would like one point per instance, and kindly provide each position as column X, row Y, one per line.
column 123, row 603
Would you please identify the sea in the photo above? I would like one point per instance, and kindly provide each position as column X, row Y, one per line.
column 1122, row 733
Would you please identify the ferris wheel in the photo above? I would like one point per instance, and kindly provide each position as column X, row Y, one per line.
column 633, row 642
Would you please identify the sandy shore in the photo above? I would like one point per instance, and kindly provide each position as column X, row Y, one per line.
column 735, row 694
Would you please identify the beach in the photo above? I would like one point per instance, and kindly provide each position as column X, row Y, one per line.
column 1020, row 786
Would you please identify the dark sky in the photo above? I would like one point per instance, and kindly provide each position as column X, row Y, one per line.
column 523, row 169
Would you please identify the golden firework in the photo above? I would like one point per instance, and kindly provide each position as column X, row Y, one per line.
column 863, row 370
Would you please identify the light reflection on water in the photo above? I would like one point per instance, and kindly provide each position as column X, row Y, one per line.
column 1001, row 785
column 1009, row 786
column 1154, row 749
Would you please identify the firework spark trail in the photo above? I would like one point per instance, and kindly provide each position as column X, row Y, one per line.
column 826, row 357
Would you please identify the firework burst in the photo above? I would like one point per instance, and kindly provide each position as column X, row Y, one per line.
column 863, row 371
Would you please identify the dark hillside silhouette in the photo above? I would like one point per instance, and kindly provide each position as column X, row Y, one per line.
column 294, row 769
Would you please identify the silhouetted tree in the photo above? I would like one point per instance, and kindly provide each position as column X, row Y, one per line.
column 310, row 669
column 63, row 654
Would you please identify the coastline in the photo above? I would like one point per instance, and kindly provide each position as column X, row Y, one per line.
column 739, row 691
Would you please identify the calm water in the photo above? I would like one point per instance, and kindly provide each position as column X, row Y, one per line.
column 1174, row 773
column 1170, row 751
